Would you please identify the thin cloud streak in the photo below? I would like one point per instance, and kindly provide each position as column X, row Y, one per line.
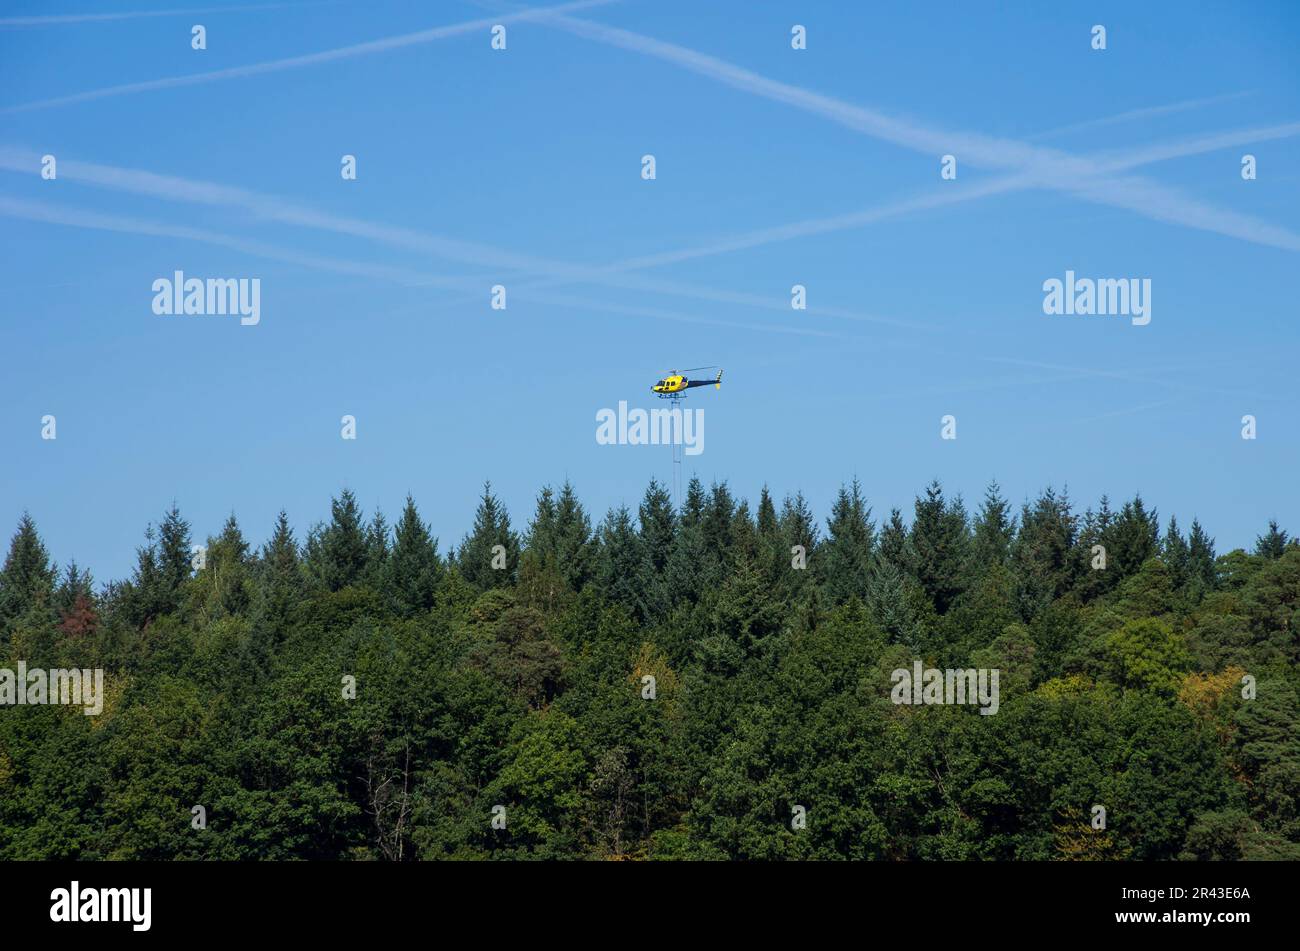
column 558, row 273
column 557, row 300
column 1049, row 168
column 1148, row 112
column 957, row 194
column 309, row 59
column 1127, row 411
column 81, row 218
column 59, row 19
column 269, row 208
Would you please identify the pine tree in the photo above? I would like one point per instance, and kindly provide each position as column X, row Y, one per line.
column 574, row 552
column 174, row 559
column 378, row 551
column 539, row 537
column 1200, row 559
column 27, row 579
column 744, row 537
column 337, row 554
column 844, row 561
column 1273, row 543
column 620, row 568
column 995, row 528
column 282, row 584
column 658, row 524
column 774, row 559
column 142, row 598
column 689, row 572
column 890, row 603
column 658, row 533
column 894, row 545
column 415, row 568
column 797, row 526
column 73, row 586
column 1132, row 538
column 475, row 557
column 939, row 542
column 693, row 507
column 1176, row 555
column 767, row 523
column 75, row 603
column 718, row 515
column 1041, row 555
column 224, row 586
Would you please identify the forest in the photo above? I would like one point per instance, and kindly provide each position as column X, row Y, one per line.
column 702, row 681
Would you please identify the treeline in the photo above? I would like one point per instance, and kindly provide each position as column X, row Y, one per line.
column 701, row 682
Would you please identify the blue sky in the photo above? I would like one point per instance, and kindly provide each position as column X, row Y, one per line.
column 522, row 167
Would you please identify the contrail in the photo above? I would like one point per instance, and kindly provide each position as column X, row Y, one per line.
column 1127, row 411
column 59, row 19
column 1127, row 377
column 1148, row 112
column 309, row 59
column 657, row 314
column 1224, row 222
column 1114, row 161
column 80, row 218
column 270, row 208
column 1048, row 168
column 554, row 273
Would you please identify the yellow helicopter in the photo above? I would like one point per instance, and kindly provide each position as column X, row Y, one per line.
column 674, row 385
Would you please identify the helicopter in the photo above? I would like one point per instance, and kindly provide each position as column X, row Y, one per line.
column 674, row 385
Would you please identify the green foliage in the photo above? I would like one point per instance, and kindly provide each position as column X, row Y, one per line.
column 666, row 684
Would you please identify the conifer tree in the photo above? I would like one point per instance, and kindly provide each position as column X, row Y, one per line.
column 539, row 537
column 572, row 544
column 719, row 512
column 939, row 544
column 744, row 537
column 994, row 530
column 475, row 556
column 1041, row 553
column 774, row 558
column 27, row 579
column 143, row 598
column 1176, row 555
column 224, row 585
column 767, row 522
column 1133, row 538
column 658, row 524
column 378, row 552
column 415, row 569
column 75, row 603
column 895, row 548
column 658, row 533
column 1272, row 544
column 1200, row 558
column 74, row 585
column 844, row 561
column 174, row 558
column 797, row 526
column 282, row 584
column 337, row 554
column 620, row 567
column 693, row 507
